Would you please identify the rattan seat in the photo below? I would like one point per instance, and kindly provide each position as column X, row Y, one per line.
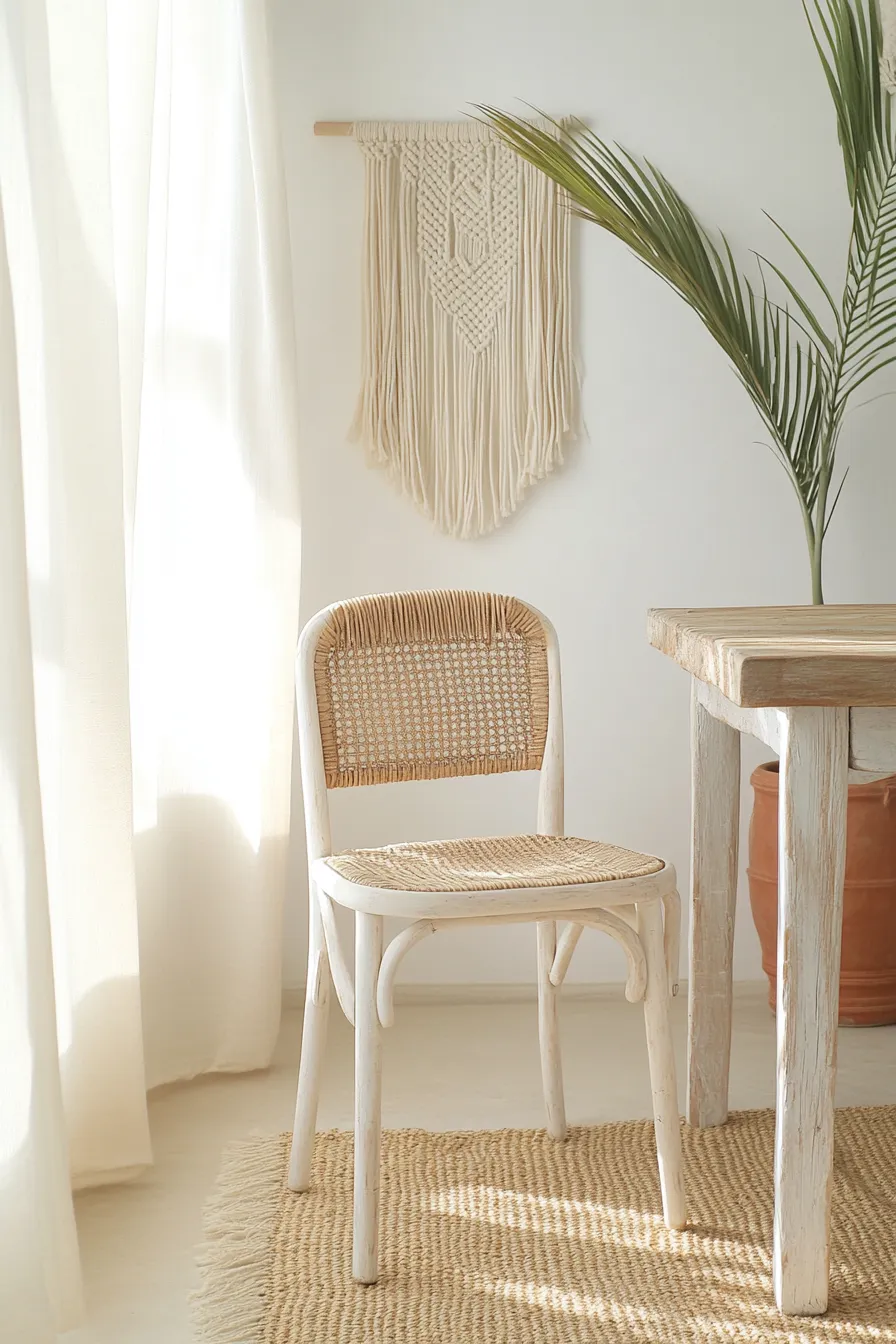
column 494, row 863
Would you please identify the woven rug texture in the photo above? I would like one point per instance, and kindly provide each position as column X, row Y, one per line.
column 507, row 1237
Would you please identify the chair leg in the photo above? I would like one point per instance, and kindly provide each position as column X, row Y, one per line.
column 662, row 1065
column 368, row 1094
column 549, row 1030
column 314, row 1040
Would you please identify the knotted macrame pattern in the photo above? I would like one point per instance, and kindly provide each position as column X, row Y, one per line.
column 469, row 383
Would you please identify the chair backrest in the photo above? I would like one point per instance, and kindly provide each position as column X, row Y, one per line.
column 429, row 684
column 425, row 685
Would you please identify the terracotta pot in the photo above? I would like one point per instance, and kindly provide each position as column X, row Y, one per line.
column 868, row 959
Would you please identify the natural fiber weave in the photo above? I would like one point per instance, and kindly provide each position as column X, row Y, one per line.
column 511, row 1238
column 497, row 863
column 430, row 684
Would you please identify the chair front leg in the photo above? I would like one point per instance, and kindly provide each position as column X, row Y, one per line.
column 549, row 1030
column 368, row 1097
column 314, row 1040
column 661, row 1057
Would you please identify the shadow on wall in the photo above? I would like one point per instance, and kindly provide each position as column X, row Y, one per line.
column 210, row 920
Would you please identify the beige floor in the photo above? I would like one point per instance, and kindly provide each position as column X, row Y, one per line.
column 446, row 1067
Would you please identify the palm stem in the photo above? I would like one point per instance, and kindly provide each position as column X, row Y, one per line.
column 815, row 557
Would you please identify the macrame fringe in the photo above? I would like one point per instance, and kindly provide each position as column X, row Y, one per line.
column 469, row 385
column 235, row 1258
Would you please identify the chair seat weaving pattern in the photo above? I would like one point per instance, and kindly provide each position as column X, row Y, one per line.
column 496, row 863
column 431, row 684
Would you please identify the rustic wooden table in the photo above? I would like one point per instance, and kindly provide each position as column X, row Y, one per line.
column 818, row 686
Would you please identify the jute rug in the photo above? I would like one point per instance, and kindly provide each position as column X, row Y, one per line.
column 510, row 1238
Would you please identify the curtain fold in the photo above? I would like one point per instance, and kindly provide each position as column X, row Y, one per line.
column 39, row 1279
column 149, row 590
column 215, row 574
column 55, row 182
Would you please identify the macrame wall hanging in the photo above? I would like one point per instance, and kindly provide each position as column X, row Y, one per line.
column 469, row 387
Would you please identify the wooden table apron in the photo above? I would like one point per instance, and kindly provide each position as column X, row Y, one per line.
column 818, row 686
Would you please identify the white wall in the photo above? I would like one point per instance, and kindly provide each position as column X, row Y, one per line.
column 668, row 501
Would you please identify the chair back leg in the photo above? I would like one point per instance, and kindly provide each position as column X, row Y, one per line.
column 549, row 1029
column 314, row 1039
column 661, row 1057
column 368, row 1097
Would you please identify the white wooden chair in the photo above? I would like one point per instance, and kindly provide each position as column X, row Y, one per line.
column 422, row 686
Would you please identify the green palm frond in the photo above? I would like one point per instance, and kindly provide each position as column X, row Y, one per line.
column 800, row 366
column 784, row 369
column 848, row 40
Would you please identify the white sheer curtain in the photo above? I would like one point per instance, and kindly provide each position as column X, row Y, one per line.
column 148, row 591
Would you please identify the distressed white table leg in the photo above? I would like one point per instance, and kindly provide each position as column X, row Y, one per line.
column 715, row 798
column 549, row 1030
column 368, row 1098
column 814, row 764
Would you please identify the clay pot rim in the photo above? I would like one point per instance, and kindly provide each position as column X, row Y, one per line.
column 765, row 778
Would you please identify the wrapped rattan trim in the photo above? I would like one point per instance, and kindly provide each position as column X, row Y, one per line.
column 431, row 618
column 495, row 863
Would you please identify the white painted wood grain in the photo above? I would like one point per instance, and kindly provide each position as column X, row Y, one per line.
column 812, row 848
column 566, row 946
column 872, row 740
column 550, row 821
column 715, row 786
column 763, row 724
column 661, row 1057
column 621, row 925
column 314, row 1039
column 550, row 785
column 318, row 842
column 368, row 1099
column 311, row 757
column 393, row 956
column 549, row 1029
column 672, row 938
column 342, row 976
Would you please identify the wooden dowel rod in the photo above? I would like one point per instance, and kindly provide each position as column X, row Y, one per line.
column 335, row 128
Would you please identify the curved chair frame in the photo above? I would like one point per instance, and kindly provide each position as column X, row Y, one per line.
column 641, row 914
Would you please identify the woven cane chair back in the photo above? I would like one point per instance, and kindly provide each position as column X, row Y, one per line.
column 428, row 685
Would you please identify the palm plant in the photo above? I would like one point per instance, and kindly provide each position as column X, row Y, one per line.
column 800, row 361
